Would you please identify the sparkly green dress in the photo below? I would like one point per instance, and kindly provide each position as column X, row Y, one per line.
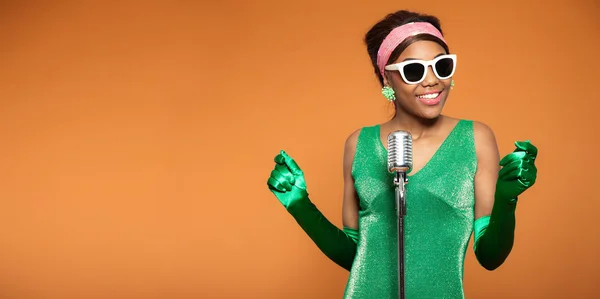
column 438, row 225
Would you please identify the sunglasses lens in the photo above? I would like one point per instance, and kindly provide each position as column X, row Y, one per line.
column 413, row 72
column 444, row 67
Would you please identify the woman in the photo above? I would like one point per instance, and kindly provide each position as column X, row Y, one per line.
column 457, row 185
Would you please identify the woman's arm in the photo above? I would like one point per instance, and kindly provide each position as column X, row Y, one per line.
column 486, row 176
column 493, row 249
column 350, row 200
column 288, row 184
column 496, row 192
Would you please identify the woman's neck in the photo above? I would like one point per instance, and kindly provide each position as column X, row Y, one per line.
column 418, row 127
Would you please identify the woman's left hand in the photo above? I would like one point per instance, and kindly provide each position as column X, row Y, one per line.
column 518, row 171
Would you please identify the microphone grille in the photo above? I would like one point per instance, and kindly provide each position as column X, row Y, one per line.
column 399, row 151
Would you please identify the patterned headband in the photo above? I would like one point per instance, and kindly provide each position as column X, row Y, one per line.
column 398, row 35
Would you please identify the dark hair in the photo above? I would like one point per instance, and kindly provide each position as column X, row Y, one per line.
column 378, row 33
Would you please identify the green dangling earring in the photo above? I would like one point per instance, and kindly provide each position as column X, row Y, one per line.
column 452, row 84
column 388, row 93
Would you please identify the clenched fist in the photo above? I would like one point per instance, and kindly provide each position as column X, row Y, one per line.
column 287, row 181
column 518, row 172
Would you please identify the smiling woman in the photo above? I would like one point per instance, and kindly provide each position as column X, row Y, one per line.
column 407, row 24
column 456, row 186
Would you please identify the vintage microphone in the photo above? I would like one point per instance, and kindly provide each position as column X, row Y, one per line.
column 400, row 163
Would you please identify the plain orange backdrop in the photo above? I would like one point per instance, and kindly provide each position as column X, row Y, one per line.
column 137, row 139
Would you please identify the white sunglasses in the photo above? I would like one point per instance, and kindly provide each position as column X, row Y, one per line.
column 414, row 71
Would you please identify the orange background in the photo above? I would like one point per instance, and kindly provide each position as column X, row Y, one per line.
column 137, row 139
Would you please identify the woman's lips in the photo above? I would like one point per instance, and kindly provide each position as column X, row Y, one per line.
column 431, row 98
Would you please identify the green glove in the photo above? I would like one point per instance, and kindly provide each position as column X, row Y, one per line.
column 289, row 186
column 518, row 172
column 287, row 181
column 494, row 234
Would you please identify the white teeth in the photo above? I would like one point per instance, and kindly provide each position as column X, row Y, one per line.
column 429, row 96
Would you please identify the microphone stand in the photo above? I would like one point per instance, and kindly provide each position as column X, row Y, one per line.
column 399, row 181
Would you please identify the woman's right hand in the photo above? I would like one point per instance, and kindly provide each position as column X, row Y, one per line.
column 287, row 181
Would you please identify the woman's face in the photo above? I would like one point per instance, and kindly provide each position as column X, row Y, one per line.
column 427, row 98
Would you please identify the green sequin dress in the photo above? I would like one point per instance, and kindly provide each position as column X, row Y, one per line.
column 438, row 225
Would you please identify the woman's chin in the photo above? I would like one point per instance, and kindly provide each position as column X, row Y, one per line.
column 431, row 112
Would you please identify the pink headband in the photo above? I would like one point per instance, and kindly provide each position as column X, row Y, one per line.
column 398, row 35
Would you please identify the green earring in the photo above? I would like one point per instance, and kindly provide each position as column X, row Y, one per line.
column 388, row 93
column 452, row 84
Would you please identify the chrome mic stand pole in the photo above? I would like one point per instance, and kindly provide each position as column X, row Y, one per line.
column 399, row 182
column 400, row 162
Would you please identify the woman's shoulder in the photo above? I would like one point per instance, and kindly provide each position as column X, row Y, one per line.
column 479, row 127
column 483, row 137
column 482, row 133
column 366, row 129
column 481, row 130
column 352, row 138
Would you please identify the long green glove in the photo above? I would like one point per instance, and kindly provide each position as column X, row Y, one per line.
column 289, row 186
column 494, row 234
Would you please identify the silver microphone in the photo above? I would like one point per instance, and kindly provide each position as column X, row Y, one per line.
column 400, row 151
column 400, row 163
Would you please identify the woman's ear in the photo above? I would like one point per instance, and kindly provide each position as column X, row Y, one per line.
column 385, row 80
